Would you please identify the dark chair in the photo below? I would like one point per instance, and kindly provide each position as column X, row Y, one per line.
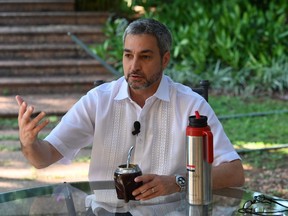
column 202, row 89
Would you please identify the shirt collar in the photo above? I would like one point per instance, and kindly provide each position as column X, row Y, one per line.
column 162, row 92
column 123, row 91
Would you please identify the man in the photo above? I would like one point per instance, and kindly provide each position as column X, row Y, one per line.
column 106, row 115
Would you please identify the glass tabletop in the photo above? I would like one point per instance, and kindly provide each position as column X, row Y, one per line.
column 99, row 198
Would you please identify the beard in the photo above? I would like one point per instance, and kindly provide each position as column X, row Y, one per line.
column 138, row 80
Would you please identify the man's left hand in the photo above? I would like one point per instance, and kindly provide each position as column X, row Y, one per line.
column 154, row 186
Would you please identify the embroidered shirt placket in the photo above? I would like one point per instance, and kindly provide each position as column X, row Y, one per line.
column 161, row 140
column 113, row 144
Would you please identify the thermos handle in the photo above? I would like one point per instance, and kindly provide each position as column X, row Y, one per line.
column 209, row 146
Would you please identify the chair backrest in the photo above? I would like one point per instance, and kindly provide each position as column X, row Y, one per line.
column 201, row 90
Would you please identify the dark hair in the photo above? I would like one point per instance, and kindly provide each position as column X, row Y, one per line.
column 151, row 27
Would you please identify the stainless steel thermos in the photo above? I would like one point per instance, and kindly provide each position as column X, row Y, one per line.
column 199, row 159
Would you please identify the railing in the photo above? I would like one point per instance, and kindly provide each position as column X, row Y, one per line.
column 254, row 114
column 94, row 55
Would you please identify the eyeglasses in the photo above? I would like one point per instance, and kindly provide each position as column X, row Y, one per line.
column 248, row 207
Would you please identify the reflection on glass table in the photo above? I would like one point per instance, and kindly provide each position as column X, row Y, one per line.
column 99, row 198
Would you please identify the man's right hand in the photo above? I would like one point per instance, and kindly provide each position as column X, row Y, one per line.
column 40, row 153
column 28, row 127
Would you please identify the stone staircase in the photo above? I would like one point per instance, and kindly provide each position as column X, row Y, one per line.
column 38, row 57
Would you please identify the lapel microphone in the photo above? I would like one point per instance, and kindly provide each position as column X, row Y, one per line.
column 136, row 128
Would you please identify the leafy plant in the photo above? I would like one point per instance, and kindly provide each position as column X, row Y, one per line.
column 242, row 36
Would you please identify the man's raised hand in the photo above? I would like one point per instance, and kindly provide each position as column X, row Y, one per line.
column 29, row 127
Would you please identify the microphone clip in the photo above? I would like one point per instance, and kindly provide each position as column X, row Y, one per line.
column 137, row 127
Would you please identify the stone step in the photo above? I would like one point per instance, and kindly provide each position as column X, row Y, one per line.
column 37, row 55
column 54, row 34
column 36, row 5
column 53, row 104
column 41, row 51
column 52, row 18
column 52, row 67
column 50, row 85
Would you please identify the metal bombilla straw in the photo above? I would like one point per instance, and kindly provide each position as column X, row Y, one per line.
column 129, row 156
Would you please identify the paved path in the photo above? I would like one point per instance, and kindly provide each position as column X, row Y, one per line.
column 17, row 173
column 52, row 104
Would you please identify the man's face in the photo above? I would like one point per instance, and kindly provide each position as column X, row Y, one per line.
column 142, row 63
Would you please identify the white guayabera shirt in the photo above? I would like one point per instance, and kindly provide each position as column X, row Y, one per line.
column 105, row 118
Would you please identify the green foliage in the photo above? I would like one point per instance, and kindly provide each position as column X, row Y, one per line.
column 8, row 137
column 12, row 123
column 9, row 148
column 242, row 41
column 241, row 46
column 8, row 123
column 256, row 159
column 83, row 159
column 269, row 129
